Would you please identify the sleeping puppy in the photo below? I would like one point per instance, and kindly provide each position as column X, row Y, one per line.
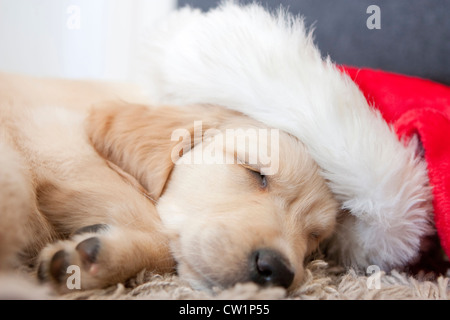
column 115, row 187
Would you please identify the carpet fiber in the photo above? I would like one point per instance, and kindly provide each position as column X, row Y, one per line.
column 322, row 282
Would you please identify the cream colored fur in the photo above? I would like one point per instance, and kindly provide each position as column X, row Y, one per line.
column 267, row 66
column 75, row 154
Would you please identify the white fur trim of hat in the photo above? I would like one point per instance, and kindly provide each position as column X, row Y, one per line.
column 266, row 65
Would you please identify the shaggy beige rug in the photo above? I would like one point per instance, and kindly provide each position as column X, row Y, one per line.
column 322, row 282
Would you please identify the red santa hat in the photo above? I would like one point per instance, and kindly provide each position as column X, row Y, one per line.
column 420, row 107
column 267, row 66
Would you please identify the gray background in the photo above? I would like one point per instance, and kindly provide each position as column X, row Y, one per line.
column 414, row 38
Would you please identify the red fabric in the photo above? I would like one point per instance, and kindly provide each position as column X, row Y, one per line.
column 417, row 106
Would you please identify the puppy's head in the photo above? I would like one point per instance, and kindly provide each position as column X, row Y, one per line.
column 241, row 202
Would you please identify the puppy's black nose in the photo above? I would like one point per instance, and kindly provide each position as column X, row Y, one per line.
column 270, row 268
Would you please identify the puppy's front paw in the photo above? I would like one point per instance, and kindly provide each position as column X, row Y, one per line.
column 98, row 256
column 74, row 263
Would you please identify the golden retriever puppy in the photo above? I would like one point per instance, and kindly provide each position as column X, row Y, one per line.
column 112, row 188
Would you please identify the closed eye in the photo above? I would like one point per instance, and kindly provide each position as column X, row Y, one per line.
column 314, row 235
column 262, row 179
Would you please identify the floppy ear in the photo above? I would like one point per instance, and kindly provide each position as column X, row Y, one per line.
column 141, row 141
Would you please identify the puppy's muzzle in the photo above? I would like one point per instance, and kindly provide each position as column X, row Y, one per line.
column 270, row 268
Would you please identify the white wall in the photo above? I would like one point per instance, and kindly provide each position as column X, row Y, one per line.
column 75, row 38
